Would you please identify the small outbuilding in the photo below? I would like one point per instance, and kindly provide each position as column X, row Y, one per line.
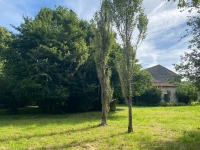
column 162, row 78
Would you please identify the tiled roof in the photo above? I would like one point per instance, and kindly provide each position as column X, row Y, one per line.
column 161, row 74
column 164, row 84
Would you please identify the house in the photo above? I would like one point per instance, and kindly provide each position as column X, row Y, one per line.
column 162, row 76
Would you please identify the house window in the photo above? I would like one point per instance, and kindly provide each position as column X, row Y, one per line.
column 167, row 96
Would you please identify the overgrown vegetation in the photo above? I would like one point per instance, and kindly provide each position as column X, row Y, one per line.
column 186, row 93
column 152, row 96
column 49, row 62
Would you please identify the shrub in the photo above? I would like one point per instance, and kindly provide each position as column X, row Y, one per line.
column 193, row 103
column 186, row 93
column 151, row 96
column 168, row 104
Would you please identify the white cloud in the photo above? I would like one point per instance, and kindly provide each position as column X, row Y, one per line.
column 85, row 9
column 166, row 26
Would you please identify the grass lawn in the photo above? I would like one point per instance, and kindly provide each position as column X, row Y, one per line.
column 154, row 128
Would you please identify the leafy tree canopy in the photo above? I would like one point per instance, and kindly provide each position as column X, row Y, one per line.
column 44, row 55
column 190, row 62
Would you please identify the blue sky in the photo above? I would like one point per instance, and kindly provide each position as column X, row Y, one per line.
column 166, row 25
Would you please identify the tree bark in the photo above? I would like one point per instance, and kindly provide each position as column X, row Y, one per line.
column 104, row 96
column 130, row 125
column 104, row 117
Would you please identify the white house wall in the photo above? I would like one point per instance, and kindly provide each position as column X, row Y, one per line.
column 172, row 96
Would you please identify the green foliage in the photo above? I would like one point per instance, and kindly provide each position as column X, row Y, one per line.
column 142, row 80
column 189, row 66
column 194, row 103
column 50, row 61
column 128, row 15
column 5, row 40
column 85, row 92
column 125, row 19
column 7, row 98
column 44, row 56
column 186, row 4
column 151, row 96
column 46, row 64
column 186, row 93
column 102, row 44
column 169, row 104
column 115, row 82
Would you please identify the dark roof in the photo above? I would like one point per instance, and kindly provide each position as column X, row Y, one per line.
column 164, row 84
column 161, row 74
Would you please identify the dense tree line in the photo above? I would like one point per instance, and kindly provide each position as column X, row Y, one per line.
column 50, row 62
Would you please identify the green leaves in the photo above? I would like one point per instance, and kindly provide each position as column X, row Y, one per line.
column 5, row 38
column 186, row 93
column 142, row 81
column 190, row 62
column 102, row 43
column 44, row 55
column 127, row 15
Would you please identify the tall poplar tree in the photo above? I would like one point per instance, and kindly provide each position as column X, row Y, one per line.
column 128, row 16
column 102, row 45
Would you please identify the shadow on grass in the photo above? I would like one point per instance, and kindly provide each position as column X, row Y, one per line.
column 119, row 109
column 52, row 133
column 83, row 143
column 34, row 116
column 190, row 140
column 114, row 116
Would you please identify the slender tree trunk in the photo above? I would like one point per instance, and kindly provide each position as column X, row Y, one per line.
column 104, row 116
column 130, row 125
column 103, row 96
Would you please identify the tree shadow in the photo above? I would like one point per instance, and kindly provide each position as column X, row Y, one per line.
column 119, row 109
column 30, row 116
column 71, row 131
column 84, row 142
column 34, row 116
column 114, row 116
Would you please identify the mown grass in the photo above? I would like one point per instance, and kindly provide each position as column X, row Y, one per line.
column 154, row 128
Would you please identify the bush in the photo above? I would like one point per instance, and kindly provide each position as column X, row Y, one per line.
column 165, row 104
column 7, row 98
column 168, row 104
column 186, row 93
column 193, row 103
column 151, row 97
column 113, row 105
